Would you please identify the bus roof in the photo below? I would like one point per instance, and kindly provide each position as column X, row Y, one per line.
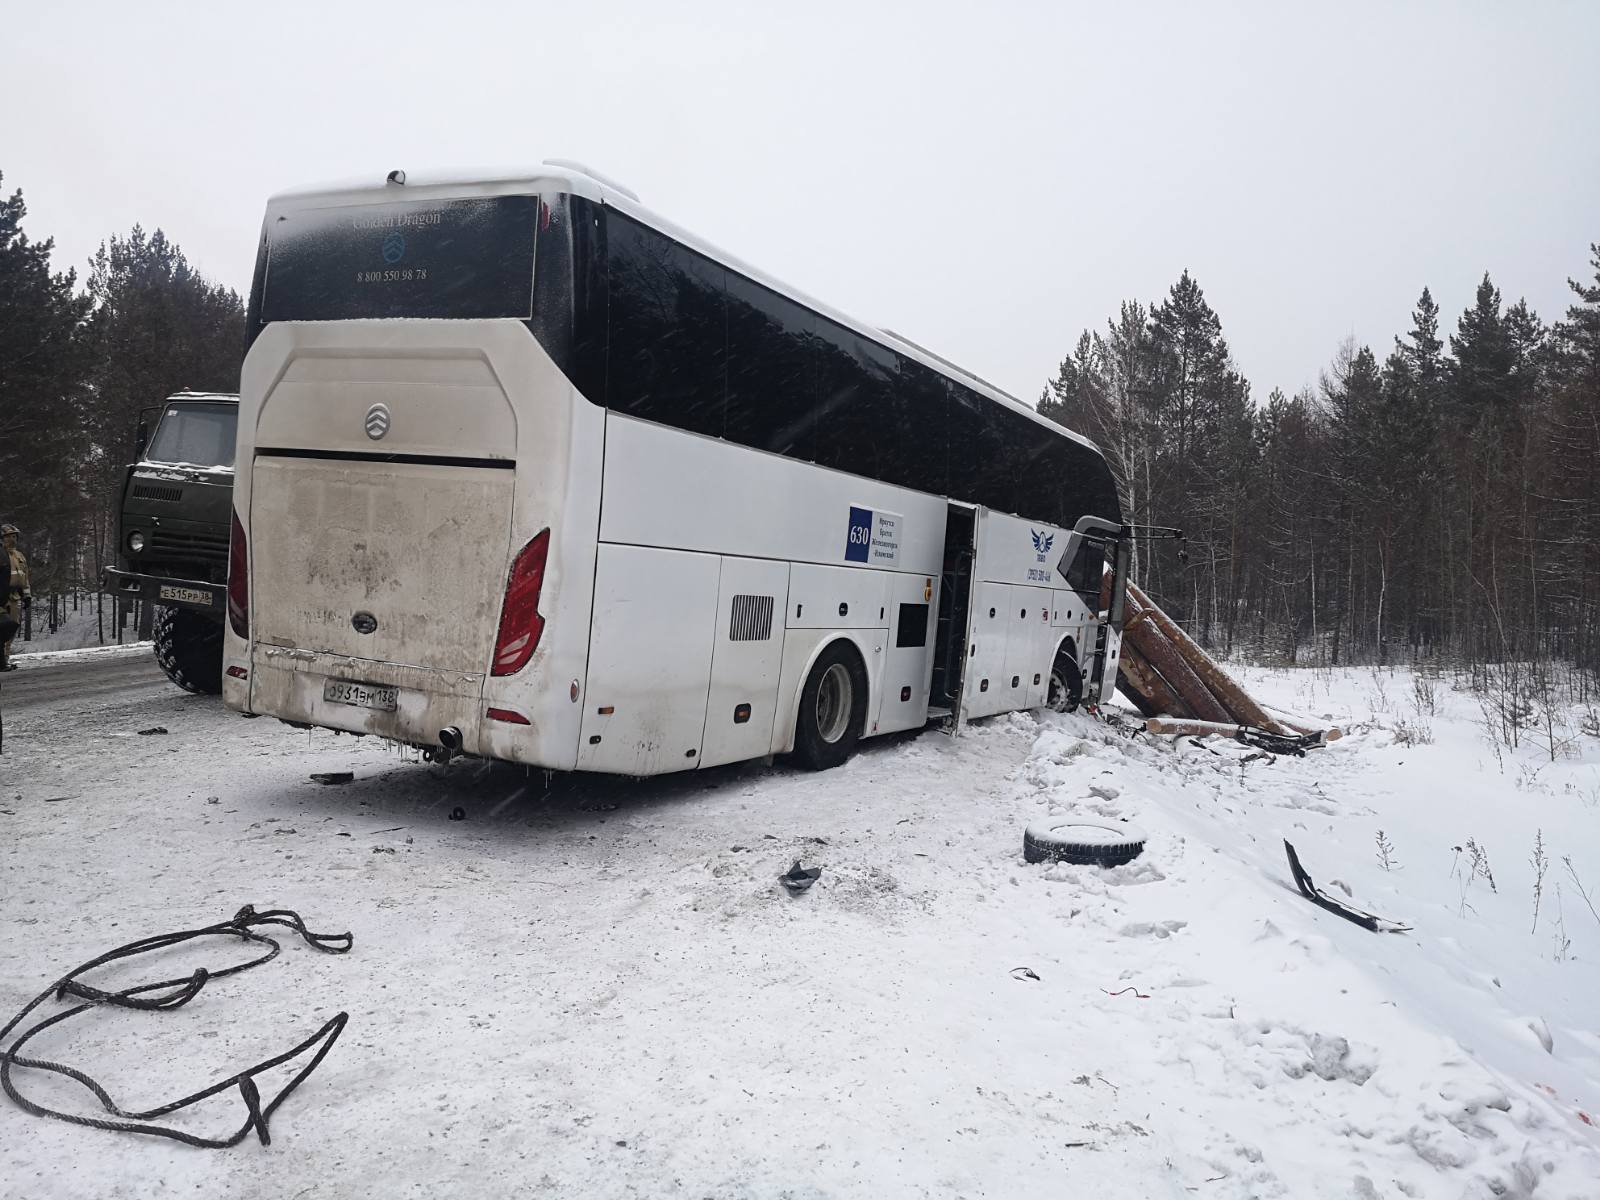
column 561, row 176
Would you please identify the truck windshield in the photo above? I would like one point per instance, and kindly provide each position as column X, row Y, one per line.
column 199, row 435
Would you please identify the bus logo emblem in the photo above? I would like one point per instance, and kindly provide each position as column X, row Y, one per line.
column 394, row 248
column 1042, row 542
column 377, row 423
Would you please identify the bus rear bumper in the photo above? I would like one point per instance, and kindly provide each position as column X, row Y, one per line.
column 401, row 703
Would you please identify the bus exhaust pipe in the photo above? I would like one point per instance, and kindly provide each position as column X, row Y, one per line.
column 449, row 744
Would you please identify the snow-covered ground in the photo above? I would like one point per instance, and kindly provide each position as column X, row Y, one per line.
column 34, row 659
column 79, row 629
column 596, row 987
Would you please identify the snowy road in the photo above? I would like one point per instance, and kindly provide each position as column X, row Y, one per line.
column 596, row 987
column 83, row 682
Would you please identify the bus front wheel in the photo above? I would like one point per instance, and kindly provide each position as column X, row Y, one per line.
column 1066, row 685
column 833, row 708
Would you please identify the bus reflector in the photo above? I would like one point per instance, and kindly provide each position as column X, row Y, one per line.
column 238, row 672
column 507, row 715
column 238, row 580
column 520, row 623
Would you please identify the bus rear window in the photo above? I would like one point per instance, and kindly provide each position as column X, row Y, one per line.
column 461, row 259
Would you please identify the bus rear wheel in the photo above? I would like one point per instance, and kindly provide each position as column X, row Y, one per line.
column 189, row 649
column 833, row 708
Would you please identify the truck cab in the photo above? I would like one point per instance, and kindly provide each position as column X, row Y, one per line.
column 172, row 535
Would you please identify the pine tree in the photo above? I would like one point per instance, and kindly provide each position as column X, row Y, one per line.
column 1572, row 541
column 158, row 326
column 42, row 363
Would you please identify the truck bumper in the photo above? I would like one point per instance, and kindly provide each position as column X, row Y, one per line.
column 191, row 594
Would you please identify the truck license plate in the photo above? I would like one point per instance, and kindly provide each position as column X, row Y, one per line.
column 185, row 595
column 361, row 695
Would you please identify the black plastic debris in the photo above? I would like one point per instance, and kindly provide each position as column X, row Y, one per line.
column 797, row 878
column 1321, row 899
column 332, row 776
column 164, row 996
column 152, row 730
column 1024, row 973
column 458, row 813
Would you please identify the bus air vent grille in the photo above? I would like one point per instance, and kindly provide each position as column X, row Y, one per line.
column 752, row 619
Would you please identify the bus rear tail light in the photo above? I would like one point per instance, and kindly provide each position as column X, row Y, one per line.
column 238, row 580
column 520, row 623
column 509, row 715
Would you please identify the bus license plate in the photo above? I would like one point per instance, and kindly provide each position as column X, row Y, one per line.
column 361, row 695
column 185, row 595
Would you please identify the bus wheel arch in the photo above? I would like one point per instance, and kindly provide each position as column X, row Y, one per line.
column 831, row 715
column 1065, row 692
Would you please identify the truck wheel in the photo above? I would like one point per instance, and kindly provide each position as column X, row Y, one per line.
column 189, row 649
column 833, row 708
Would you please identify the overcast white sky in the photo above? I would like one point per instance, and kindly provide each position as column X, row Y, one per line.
column 986, row 178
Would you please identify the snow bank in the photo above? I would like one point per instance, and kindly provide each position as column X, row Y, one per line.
column 31, row 659
column 81, row 629
column 598, row 987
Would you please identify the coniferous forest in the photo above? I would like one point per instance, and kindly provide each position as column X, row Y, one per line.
column 76, row 366
column 1437, row 499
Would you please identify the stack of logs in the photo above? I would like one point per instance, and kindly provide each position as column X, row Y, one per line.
column 1180, row 687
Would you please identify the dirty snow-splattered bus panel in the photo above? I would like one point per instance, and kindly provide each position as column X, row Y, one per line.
column 527, row 472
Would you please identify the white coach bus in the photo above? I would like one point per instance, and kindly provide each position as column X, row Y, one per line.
column 526, row 472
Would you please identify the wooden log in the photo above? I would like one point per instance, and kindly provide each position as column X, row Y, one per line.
column 1146, row 636
column 1152, row 694
column 1142, row 703
column 1329, row 733
column 1176, row 728
column 1236, row 702
column 1140, row 682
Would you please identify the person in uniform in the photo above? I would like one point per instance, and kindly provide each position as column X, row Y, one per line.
column 19, row 596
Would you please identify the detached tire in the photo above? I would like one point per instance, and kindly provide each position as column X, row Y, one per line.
column 1087, row 841
column 189, row 649
column 833, row 708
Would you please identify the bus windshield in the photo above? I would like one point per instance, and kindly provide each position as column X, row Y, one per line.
column 197, row 435
column 463, row 259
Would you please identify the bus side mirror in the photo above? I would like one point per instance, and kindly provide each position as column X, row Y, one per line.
column 141, row 437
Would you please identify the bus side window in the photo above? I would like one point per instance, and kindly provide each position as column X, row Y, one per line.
column 976, row 452
column 920, row 454
column 855, row 417
column 668, row 329
column 772, row 371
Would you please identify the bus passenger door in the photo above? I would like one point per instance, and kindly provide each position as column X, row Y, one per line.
column 746, row 660
column 952, row 627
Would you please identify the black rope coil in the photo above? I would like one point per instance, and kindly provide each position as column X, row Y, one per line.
column 163, row 996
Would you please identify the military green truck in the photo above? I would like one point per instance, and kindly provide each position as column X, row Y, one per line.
column 172, row 535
